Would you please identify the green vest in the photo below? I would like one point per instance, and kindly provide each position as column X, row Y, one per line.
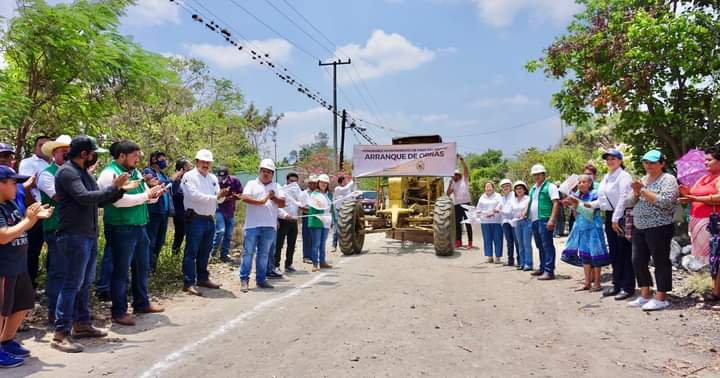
column 545, row 204
column 127, row 216
column 50, row 224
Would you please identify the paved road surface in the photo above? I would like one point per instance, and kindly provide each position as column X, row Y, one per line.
column 394, row 312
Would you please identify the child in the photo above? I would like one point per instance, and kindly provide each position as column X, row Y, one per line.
column 586, row 245
column 16, row 291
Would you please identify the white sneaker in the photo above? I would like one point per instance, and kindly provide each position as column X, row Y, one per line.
column 277, row 271
column 655, row 305
column 638, row 302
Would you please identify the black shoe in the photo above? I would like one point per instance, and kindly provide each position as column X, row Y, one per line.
column 537, row 273
column 622, row 295
column 265, row 285
column 519, row 267
column 610, row 292
column 546, row 277
column 290, row 269
column 273, row 275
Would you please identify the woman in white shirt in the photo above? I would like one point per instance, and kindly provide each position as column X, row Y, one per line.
column 522, row 226
column 505, row 209
column 611, row 201
column 490, row 222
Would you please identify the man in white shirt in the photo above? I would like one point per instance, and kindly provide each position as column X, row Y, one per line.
column 342, row 191
column 32, row 166
column 202, row 194
column 543, row 212
column 287, row 222
column 263, row 198
column 459, row 189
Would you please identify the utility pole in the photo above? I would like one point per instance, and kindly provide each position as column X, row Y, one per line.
column 342, row 139
column 334, row 111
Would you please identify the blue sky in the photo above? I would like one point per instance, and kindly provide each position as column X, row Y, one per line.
column 453, row 67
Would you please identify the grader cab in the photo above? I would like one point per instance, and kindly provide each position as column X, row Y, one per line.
column 411, row 206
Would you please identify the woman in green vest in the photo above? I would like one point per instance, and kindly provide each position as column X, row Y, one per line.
column 320, row 221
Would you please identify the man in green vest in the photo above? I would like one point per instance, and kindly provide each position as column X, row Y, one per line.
column 46, row 184
column 543, row 212
column 125, row 223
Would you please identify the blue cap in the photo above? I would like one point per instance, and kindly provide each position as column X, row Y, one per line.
column 612, row 152
column 4, row 147
column 653, row 156
column 9, row 173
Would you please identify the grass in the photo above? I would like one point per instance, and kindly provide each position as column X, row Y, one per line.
column 699, row 283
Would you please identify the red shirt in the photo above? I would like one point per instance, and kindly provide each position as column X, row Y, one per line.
column 707, row 185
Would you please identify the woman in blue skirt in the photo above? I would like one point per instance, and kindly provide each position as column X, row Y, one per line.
column 586, row 244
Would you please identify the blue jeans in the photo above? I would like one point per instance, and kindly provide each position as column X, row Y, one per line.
column 258, row 241
column 319, row 239
column 130, row 250
column 103, row 282
column 335, row 230
column 492, row 236
column 511, row 243
column 55, row 272
column 79, row 253
column 223, row 233
column 544, row 242
column 199, row 235
column 271, row 255
column 156, row 232
column 306, row 239
column 523, row 236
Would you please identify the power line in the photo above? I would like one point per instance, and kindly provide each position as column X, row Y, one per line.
column 496, row 131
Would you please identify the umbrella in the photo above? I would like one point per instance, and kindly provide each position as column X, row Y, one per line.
column 691, row 167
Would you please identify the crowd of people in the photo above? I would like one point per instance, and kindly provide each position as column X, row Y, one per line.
column 622, row 222
column 54, row 200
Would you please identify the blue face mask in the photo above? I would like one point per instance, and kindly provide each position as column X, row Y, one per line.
column 162, row 164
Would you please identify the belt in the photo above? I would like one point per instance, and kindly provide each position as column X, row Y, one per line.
column 190, row 213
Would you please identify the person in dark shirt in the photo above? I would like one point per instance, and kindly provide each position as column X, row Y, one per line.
column 181, row 166
column 78, row 198
column 160, row 210
column 16, row 291
column 225, row 214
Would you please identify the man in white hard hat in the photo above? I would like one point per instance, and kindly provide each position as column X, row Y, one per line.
column 306, row 237
column 508, row 196
column 202, row 194
column 543, row 212
column 263, row 198
column 459, row 189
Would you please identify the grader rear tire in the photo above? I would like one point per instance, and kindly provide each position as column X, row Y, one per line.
column 351, row 224
column 444, row 226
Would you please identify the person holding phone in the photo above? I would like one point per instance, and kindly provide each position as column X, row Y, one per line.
column 225, row 214
column 160, row 210
column 181, row 167
column 612, row 192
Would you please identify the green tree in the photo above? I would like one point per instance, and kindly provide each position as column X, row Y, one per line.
column 651, row 65
column 487, row 166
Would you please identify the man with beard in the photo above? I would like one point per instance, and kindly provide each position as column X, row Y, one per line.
column 125, row 223
column 78, row 198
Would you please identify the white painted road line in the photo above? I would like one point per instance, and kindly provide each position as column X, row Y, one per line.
column 175, row 357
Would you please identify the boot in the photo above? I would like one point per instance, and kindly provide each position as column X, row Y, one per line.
column 65, row 343
column 244, row 286
column 81, row 331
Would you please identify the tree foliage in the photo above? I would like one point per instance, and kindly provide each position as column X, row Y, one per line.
column 652, row 65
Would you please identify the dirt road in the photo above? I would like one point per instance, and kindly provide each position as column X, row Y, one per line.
column 396, row 312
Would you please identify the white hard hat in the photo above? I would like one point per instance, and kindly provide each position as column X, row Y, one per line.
column 204, row 155
column 267, row 164
column 505, row 182
column 521, row 183
column 324, row 178
column 457, row 172
column 537, row 168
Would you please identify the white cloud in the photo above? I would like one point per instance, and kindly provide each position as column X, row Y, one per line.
column 516, row 100
column 152, row 12
column 384, row 54
column 502, row 13
column 226, row 56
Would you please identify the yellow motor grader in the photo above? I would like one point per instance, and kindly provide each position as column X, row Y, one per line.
column 409, row 208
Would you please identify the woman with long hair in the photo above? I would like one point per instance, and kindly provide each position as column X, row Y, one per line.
column 320, row 222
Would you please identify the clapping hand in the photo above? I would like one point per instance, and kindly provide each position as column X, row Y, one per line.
column 130, row 185
column 37, row 211
column 224, row 192
column 156, row 191
column 636, row 186
column 29, row 183
column 684, row 190
column 121, row 180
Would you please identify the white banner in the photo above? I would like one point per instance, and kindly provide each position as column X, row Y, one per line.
column 437, row 159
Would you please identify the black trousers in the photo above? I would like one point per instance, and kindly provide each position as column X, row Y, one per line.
column 36, row 238
column 620, row 257
column 460, row 215
column 179, row 224
column 653, row 242
column 288, row 229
